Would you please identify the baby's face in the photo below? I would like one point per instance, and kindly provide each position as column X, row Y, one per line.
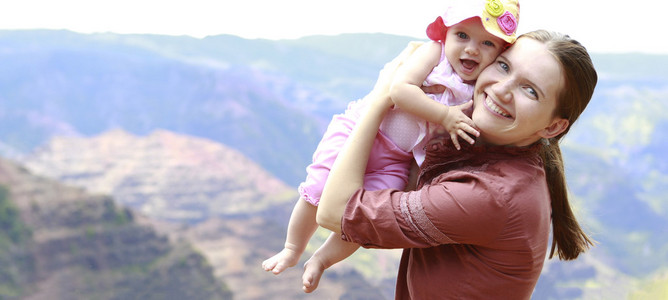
column 470, row 48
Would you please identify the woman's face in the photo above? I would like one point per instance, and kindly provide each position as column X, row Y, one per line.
column 515, row 96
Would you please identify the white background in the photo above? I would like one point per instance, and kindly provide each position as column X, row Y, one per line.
column 602, row 26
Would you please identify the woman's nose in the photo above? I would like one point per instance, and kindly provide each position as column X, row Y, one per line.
column 502, row 90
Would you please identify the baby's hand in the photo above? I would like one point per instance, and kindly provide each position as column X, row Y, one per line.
column 459, row 124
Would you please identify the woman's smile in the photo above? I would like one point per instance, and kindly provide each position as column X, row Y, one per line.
column 496, row 109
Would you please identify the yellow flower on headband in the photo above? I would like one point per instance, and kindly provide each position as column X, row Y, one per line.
column 494, row 7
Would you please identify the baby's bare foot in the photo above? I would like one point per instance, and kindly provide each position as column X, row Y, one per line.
column 313, row 270
column 281, row 261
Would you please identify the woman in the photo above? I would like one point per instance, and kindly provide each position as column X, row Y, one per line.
column 478, row 225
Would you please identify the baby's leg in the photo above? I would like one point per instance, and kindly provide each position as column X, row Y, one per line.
column 332, row 251
column 300, row 229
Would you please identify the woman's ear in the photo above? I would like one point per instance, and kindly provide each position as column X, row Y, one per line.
column 557, row 126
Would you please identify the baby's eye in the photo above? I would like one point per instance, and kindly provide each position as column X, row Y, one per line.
column 488, row 43
column 462, row 35
column 532, row 91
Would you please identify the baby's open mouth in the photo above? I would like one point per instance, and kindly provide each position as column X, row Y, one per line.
column 469, row 65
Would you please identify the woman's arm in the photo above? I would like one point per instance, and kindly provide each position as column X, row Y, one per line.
column 347, row 174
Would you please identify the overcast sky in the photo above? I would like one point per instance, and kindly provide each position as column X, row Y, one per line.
column 602, row 26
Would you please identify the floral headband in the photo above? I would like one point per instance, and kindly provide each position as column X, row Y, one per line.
column 499, row 17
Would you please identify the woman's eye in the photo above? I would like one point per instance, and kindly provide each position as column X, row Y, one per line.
column 504, row 66
column 533, row 92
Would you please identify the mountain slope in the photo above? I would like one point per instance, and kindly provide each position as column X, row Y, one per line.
column 58, row 242
column 164, row 175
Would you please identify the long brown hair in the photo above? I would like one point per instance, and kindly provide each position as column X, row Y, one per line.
column 580, row 78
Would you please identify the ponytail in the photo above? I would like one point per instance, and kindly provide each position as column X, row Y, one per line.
column 567, row 237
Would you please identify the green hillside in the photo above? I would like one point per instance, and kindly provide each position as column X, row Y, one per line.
column 59, row 243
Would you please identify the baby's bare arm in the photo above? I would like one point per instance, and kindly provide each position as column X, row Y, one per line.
column 407, row 93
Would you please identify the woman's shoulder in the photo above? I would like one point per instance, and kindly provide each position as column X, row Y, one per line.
column 497, row 189
column 486, row 163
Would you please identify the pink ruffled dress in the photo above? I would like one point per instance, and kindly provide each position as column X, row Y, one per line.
column 401, row 138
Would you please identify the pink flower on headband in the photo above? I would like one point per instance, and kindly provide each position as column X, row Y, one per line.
column 507, row 23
